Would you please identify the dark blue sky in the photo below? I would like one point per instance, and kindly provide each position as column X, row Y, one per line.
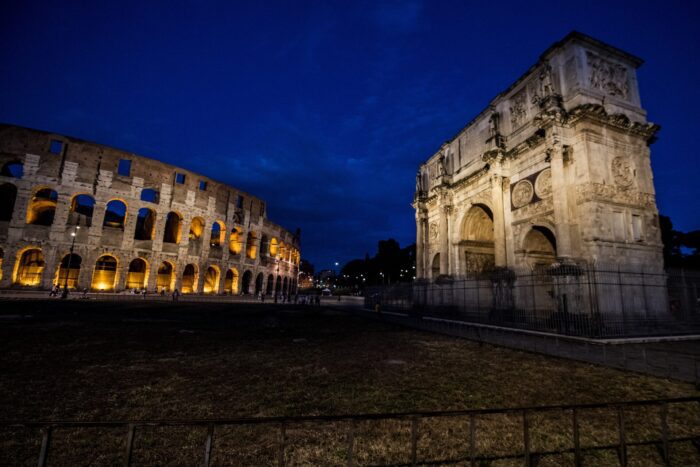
column 325, row 109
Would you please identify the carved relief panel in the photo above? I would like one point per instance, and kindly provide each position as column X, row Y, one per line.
column 608, row 77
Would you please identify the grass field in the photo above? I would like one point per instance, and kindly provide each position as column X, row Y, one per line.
column 101, row 361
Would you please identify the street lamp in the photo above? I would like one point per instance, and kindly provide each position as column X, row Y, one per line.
column 64, row 294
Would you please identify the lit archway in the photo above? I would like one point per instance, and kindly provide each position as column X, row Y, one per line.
column 196, row 229
column 252, row 246
column 231, row 282
column 104, row 277
column 29, row 267
column 477, row 240
column 189, row 279
column 69, row 269
column 235, row 242
column 217, row 234
column 137, row 274
column 274, row 247
column 115, row 214
column 145, row 224
column 165, row 276
column 211, row 280
column 540, row 247
column 42, row 207
column 173, row 228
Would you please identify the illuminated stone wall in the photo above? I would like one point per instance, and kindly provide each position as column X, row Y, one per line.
column 214, row 236
column 555, row 169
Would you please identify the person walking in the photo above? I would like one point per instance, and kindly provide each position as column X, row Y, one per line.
column 176, row 294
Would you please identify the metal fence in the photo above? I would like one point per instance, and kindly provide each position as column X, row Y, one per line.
column 668, row 427
column 589, row 301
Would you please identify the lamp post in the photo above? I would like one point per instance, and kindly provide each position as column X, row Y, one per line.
column 64, row 294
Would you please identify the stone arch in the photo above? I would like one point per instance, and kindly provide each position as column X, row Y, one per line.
column 435, row 266
column 264, row 245
column 540, row 246
column 104, row 276
column 270, row 284
column 189, row 279
column 211, row 280
column 145, row 224
column 29, row 267
column 115, row 214
column 278, row 285
column 251, row 249
column 68, row 269
column 274, row 246
column 42, row 207
column 173, row 228
column 247, row 279
column 82, row 207
column 196, row 229
column 476, row 242
column 235, row 241
column 8, row 196
column 150, row 195
column 137, row 274
column 12, row 169
column 285, row 283
column 218, row 230
column 231, row 282
column 259, row 283
column 165, row 276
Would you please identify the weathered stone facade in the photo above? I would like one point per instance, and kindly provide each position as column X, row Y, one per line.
column 143, row 223
column 557, row 168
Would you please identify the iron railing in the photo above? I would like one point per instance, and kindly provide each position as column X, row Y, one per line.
column 620, row 443
column 589, row 301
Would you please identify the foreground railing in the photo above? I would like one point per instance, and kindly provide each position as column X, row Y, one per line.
column 420, row 422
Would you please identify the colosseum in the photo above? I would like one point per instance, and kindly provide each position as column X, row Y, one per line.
column 131, row 223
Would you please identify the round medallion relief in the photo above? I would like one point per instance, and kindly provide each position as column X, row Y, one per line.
column 522, row 193
column 622, row 171
column 543, row 184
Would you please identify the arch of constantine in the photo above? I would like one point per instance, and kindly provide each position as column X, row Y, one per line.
column 132, row 223
column 556, row 169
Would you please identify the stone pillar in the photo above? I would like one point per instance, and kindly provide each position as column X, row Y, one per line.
column 19, row 214
column 445, row 240
column 561, row 204
column 60, row 218
column 130, row 228
column 499, row 232
column 508, row 224
column 47, row 275
column 98, row 218
column 420, row 249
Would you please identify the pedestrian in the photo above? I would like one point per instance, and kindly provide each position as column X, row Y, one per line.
column 143, row 293
column 176, row 294
column 162, row 292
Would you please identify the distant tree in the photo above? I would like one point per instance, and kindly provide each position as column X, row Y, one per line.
column 391, row 264
column 681, row 249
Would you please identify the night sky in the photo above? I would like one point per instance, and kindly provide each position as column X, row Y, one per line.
column 325, row 109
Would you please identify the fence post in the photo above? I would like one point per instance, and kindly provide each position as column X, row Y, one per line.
column 622, row 301
column 664, row 432
column 622, row 450
column 577, row 444
column 526, row 439
column 45, row 445
column 208, row 445
column 414, row 440
column 283, row 445
column 129, row 444
column 472, row 440
column 351, row 443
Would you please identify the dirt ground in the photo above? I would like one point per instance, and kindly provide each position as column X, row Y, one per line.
column 112, row 361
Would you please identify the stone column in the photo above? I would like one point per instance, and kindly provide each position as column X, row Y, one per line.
column 420, row 249
column 49, row 272
column 499, row 232
column 508, row 224
column 445, row 240
column 98, row 217
column 130, row 227
column 60, row 218
column 561, row 204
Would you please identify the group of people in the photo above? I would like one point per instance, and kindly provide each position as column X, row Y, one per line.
column 57, row 291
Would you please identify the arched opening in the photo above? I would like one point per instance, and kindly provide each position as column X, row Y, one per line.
column 173, row 228
column 235, row 242
column 231, row 282
column 150, row 195
column 252, row 246
column 105, row 275
column 165, row 277
column 81, row 209
column 8, row 196
column 211, row 280
column 42, row 207
column 270, row 284
column 247, row 278
column 30, row 267
column 540, row 247
column 12, row 169
column 264, row 245
column 217, row 234
column 137, row 274
column 259, row 279
column 274, row 247
column 477, row 240
column 278, row 285
column 145, row 224
column 189, row 279
column 68, row 269
column 115, row 214
column 196, row 229
column 435, row 267
column 284, row 286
